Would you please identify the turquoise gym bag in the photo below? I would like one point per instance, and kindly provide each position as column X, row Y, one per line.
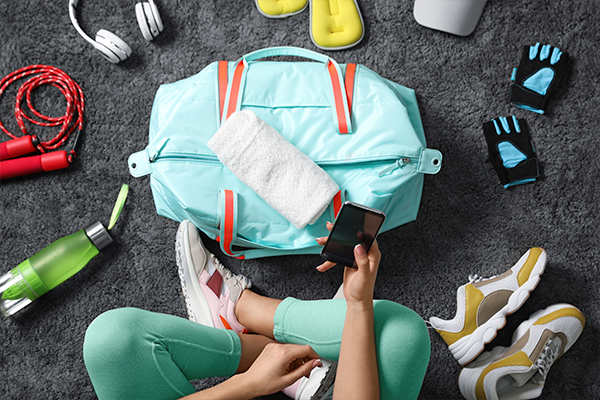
column 363, row 130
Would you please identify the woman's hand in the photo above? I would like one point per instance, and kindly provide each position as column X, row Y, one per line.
column 322, row 240
column 279, row 366
column 357, row 374
column 358, row 282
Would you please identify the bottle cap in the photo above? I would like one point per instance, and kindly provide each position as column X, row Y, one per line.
column 118, row 206
column 98, row 235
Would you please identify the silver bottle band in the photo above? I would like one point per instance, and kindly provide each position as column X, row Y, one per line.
column 98, row 235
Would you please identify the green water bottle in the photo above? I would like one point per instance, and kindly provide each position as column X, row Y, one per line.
column 54, row 264
column 50, row 267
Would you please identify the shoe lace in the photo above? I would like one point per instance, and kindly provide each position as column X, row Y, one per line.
column 477, row 278
column 227, row 274
column 546, row 359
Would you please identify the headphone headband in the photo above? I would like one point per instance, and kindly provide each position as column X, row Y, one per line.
column 72, row 6
column 110, row 45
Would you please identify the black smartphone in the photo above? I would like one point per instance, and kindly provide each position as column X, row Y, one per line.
column 355, row 224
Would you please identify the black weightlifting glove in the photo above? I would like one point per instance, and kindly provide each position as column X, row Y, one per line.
column 537, row 77
column 511, row 151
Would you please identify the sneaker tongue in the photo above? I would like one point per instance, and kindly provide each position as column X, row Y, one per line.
column 522, row 378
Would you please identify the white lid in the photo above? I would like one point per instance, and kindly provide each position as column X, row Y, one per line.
column 458, row 17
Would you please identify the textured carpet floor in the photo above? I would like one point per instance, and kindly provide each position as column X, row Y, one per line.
column 467, row 222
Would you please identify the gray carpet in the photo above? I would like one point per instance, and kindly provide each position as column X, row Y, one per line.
column 467, row 222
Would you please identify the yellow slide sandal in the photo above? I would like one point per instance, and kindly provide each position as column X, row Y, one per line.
column 335, row 24
column 280, row 8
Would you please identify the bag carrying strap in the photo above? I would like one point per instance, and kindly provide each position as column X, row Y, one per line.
column 338, row 201
column 235, row 89
column 350, row 74
column 228, row 223
column 233, row 98
column 222, row 79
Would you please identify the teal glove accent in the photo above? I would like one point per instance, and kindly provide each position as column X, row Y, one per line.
column 540, row 81
column 533, row 51
column 511, row 156
column 556, row 54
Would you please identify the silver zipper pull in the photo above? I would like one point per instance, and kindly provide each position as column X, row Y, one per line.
column 398, row 164
column 154, row 152
column 403, row 161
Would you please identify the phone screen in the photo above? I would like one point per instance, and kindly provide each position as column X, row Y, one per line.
column 355, row 224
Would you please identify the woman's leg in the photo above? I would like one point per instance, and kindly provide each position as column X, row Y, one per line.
column 402, row 339
column 256, row 312
column 135, row 354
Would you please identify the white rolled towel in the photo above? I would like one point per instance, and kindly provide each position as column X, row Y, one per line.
column 287, row 179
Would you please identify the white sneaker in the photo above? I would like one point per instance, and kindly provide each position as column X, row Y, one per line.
column 520, row 371
column 211, row 291
column 318, row 386
column 483, row 304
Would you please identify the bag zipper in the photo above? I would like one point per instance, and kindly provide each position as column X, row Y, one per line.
column 401, row 162
column 396, row 163
column 155, row 155
column 187, row 157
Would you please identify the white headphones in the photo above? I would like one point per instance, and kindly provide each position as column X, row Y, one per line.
column 113, row 48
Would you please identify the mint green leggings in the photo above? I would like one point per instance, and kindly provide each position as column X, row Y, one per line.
column 135, row 354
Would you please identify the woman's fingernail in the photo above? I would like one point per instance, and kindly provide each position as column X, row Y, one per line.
column 360, row 250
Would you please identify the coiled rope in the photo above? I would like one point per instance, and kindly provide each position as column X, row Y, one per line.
column 46, row 75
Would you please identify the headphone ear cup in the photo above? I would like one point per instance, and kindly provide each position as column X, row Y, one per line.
column 159, row 23
column 143, row 22
column 112, row 47
column 149, row 20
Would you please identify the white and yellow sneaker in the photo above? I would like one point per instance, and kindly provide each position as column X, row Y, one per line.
column 483, row 305
column 519, row 371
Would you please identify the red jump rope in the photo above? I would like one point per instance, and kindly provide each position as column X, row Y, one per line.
column 11, row 162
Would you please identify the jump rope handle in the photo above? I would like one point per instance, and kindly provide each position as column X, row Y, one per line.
column 18, row 147
column 33, row 164
column 12, row 164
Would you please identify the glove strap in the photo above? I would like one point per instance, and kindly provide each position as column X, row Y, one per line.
column 528, row 169
column 527, row 99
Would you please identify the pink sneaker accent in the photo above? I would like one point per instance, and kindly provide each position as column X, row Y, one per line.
column 290, row 391
column 222, row 309
column 215, row 282
column 228, row 313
